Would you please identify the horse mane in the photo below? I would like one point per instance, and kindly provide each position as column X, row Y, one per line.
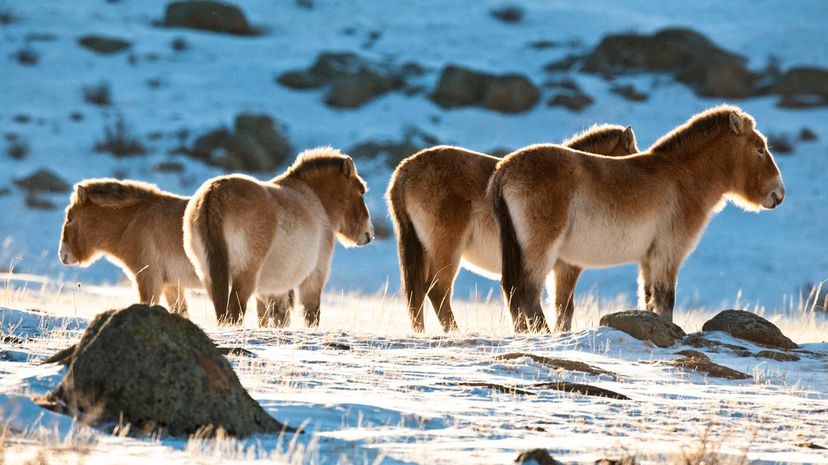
column 704, row 125
column 316, row 159
column 108, row 192
column 597, row 134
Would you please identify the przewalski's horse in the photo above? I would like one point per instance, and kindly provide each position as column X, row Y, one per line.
column 591, row 211
column 277, row 235
column 437, row 200
column 138, row 227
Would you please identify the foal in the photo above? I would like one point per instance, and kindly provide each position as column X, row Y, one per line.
column 137, row 227
column 437, row 200
column 591, row 211
column 277, row 235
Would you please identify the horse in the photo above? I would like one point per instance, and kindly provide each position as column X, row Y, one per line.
column 553, row 203
column 138, row 227
column 245, row 236
column 437, row 201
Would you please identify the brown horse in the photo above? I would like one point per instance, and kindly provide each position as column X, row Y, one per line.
column 277, row 235
column 437, row 200
column 555, row 203
column 138, row 227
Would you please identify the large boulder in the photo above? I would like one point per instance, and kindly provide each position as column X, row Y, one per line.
column 159, row 372
column 689, row 56
column 750, row 327
column 207, row 15
column 645, row 326
column 508, row 93
column 352, row 80
column 255, row 144
column 802, row 87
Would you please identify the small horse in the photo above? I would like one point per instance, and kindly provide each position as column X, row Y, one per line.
column 592, row 211
column 137, row 227
column 277, row 235
column 437, row 200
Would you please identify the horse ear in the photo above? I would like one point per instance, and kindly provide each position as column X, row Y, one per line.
column 82, row 194
column 348, row 168
column 629, row 140
column 736, row 123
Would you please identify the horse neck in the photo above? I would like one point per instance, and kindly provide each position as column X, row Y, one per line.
column 703, row 169
column 108, row 231
column 327, row 198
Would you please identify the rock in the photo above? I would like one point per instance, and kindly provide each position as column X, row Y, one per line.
column 508, row 93
column 624, row 460
column 413, row 141
column 536, row 457
column 780, row 143
column 802, row 88
column 510, row 14
column 557, row 363
column 43, row 181
column 159, row 372
column 168, row 167
column 352, row 80
column 255, row 144
column 35, row 202
column 750, row 327
column 582, row 389
column 571, row 101
column 645, row 326
column 564, row 64
column 807, row 135
column 103, row 44
column 458, row 87
column 206, row 15
column 511, row 93
column 629, row 92
column 778, row 356
column 689, row 56
column 701, row 363
column 699, row 341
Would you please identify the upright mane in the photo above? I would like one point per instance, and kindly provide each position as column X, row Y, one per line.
column 704, row 125
column 316, row 159
column 595, row 137
column 108, row 192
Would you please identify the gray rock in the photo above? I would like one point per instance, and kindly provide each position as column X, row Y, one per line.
column 255, row 144
column 43, row 181
column 104, row 44
column 802, row 87
column 698, row 362
column 645, row 326
column 222, row 17
column 689, row 56
column 508, row 93
column 458, row 87
column 511, row 93
column 160, row 373
column 750, row 327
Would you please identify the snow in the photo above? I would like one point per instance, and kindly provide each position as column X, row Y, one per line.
column 743, row 259
column 366, row 395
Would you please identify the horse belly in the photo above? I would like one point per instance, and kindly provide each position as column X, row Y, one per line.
column 481, row 254
column 599, row 240
column 291, row 259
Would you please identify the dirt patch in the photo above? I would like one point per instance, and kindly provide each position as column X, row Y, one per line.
column 557, row 363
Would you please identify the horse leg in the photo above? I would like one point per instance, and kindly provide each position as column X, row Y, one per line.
column 645, row 291
column 539, row 257
column 263, row 310
column 445, row 262
column 243, row 286
column 566, row 276
column 310, row 294
column 660, row 287
column 279, row 308
column 149, row 287
column 174, row 295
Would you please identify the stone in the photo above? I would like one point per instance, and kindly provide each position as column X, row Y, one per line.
column 507, row 93
column 645, row 326
column 697, row 361
column 159, row 372
column 207, row 15
column 802, row 87
column 750, row 327
column 104, row 45
column 43, row 181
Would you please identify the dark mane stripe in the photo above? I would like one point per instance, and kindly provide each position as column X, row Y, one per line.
column 316, row 159
column 113, row 192
column 702, row 126
column 595, row 137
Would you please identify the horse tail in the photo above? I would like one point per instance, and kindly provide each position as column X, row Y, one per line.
column 218, row 269
column 512, row 270
column 409, row 247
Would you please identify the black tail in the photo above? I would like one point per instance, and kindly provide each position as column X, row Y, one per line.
column 212, row 234
column 512, row 272
column 411, row 253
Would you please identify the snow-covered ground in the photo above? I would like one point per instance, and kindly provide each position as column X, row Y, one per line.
column 370, row 392
column 744, row 258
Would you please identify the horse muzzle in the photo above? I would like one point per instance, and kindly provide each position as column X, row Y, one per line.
column 66, row 258
column 774, row 199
